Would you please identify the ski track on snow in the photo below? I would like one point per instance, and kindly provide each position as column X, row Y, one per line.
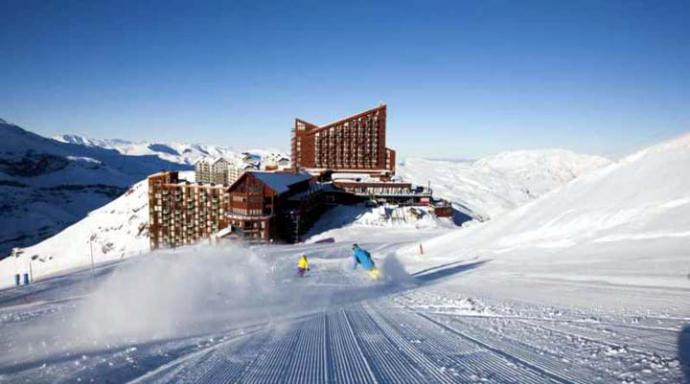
column 367, row 332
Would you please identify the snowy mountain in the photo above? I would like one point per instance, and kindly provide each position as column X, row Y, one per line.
column 114, row 231
column 174, row 152
column 586, row 284
column 628, row 222
column 46, row 185
column 489, row 187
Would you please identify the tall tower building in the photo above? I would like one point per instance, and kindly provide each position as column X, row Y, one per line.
column 355, row 144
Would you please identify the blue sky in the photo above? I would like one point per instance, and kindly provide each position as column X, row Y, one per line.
column 461, row 79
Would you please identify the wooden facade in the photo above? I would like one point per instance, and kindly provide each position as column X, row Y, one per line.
column 182, row 213
column 252, row 208
column 259, row 206
column 274, row 205
column 354, row 144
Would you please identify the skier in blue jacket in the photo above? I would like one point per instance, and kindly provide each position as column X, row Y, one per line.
column 363, row 258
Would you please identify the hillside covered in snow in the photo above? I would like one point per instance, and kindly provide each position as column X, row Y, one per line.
column 489, row 187
column 46, row 185
column 627, row 223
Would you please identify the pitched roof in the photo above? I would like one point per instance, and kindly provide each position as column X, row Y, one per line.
column 317, row 128
column 280, row 181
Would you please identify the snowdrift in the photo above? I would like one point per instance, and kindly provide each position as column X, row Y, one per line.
column 626, row 223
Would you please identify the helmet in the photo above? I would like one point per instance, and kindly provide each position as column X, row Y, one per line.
column 355, row 246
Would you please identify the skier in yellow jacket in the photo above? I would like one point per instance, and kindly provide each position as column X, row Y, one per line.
column 302, row 265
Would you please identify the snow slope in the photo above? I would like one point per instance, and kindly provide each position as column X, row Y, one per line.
column 628, row 223
column 587, row 284
column 489, row 187
column 240, row 315
column 46, row 185
column 117, row 230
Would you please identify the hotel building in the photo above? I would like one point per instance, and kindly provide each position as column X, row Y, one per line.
column 355, row 144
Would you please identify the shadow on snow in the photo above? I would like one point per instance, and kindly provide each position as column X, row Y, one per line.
column 446, row 270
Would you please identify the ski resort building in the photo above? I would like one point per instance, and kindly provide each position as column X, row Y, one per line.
column 202, row 170
column 353, row 144
column 338, row 163
column 220, row 170
column 274, row 205
column 386, row 191
column 262, row 206
column 181, row 212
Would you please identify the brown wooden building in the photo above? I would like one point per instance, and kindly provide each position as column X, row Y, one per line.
column 263, row 206
column 181, row 212
column 282, row 206
column 353, row 144
column 274, row 205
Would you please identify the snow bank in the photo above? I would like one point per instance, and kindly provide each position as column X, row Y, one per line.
column 346, row 220
column 394, row 216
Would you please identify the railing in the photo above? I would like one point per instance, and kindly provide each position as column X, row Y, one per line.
column 233, row 215
column 426, row 192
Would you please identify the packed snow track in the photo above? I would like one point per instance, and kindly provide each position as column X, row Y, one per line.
column 333, row 326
